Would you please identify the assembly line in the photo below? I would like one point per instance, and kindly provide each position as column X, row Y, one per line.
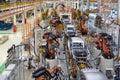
column 64, row 44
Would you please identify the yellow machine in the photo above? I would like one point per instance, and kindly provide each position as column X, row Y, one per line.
column 44, row 14
column 74, row 14
column 73, row 68
column 40, row 51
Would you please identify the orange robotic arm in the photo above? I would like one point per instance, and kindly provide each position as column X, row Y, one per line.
column 51, row 71
column 105, row 49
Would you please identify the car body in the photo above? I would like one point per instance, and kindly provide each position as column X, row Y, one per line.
column 65, row 17
column 76, row 44
column 70, row 30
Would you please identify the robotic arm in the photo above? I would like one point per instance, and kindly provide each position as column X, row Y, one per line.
column 43, row 73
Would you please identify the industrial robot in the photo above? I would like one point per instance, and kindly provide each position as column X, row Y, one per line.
column 103, row 42
column 48, row 74
column 82, row 27
column 57, row 24
column 117, row 70
column 106, row 59
column 52, row 43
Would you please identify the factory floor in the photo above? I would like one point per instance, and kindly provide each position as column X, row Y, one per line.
column 13, row 38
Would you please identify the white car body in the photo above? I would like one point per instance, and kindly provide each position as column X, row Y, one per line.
column 70, row 30
column 76, row 44
column 65, row 17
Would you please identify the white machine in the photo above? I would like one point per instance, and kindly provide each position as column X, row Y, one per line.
column 113, row 14
column 92, row 19
column 106, row 66
column 91, row 74
column 93, row 6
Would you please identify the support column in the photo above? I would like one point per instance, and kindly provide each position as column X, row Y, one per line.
column 24, row 17
column 100, row 6
column 99, row 3
column 14, row 23
column 82, row 4
column 119, row 31
column 119, row 43
column 88, row 4
column 35, row 12
column 14, row 19
column 74, row 5
column 119, row 11
column 78, row 4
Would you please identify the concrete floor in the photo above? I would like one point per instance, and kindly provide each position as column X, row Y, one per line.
column 13, row 39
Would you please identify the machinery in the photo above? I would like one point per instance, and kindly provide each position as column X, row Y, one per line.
column 106, row 60
column 44, row 14
column 48, row 74
column 117, row 70
column 98, row 21
column 73, row 14
column 103, row 42
column 95, row 20
column 52, row 43
column 113, row 14
column 82, row 27
column 55, row 17
column 58, row 28
column 60, row 8
column 78, row 55
column 55, row 22
column 71, row 52
column 81, row 67
column 5, row 26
